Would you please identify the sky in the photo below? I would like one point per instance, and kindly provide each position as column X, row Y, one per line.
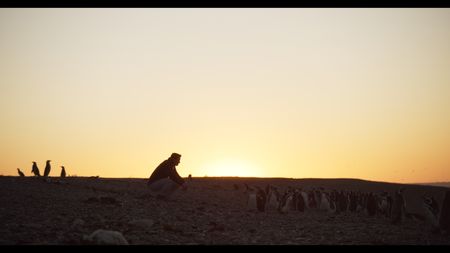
column 295, row 93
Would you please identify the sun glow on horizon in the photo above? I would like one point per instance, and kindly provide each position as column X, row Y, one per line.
column 231, row 168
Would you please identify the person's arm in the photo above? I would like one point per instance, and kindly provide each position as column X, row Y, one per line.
column 176, row 177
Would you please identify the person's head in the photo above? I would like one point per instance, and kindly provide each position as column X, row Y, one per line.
column 175, row 158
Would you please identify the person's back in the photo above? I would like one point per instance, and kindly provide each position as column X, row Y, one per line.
column 158, row 173
column 165, row 170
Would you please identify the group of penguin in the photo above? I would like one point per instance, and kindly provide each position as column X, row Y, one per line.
column 300, row 200
column 36, row 172
column 391, row 206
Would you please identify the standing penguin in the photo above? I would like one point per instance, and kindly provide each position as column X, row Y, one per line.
column 431, row 210
column 252, row 198
column 35, row 170
column 20, row 173
column 260, row 199
column 371, row 205
column 444, row 219
column 300, row 201
column 398, row 207
column 272, row 198
column 47, row 168
column 63, row 171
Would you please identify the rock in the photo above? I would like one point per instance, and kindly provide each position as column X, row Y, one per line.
column 106, row 237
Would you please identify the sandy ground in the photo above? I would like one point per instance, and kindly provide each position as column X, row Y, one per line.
column 210, row 211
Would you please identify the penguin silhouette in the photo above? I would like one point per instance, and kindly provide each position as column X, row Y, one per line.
column 444, row 219
column 398, row 207
column 63, row 171
column 47, row 168
column 20, row 173
column 35, row 170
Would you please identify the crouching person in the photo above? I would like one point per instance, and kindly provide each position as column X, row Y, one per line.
column 165, row 179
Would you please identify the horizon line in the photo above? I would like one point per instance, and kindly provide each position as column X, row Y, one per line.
column 249, row 177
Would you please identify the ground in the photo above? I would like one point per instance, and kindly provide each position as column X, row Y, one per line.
column 210, row 211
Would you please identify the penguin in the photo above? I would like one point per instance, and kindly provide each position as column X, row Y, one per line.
column 431, row 210
column 300, row 201
column 63, row 171
column 383, row 205
column 35, row 170
column 251, row 198
column 272, row 202
column 352, row 206
column 20, row 173
column 260, row 199
column 317, row 196
column 398, row 207
column 305, row 198
column 344, row 201
column 360, row 203
column 390, row 203
column 325, row 202
column 287, row 202
column 444, row 219
column 47, row 168
column 312, row 200
column 371, row 205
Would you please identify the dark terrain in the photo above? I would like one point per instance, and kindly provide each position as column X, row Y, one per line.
column 210, row 211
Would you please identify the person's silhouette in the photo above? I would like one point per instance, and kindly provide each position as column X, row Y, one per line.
column 165, row 179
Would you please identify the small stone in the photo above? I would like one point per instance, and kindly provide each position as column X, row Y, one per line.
column 106, row 237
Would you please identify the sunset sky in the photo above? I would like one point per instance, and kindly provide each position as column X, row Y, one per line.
column 297, row 93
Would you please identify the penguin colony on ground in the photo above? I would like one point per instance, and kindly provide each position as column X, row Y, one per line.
column 374, row 205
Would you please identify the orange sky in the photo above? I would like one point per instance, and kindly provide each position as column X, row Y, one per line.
column 327, row 93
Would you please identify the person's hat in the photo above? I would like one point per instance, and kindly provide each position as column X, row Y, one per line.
column 175, row 155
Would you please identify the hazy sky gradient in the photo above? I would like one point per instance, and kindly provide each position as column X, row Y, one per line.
column 357, row 93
